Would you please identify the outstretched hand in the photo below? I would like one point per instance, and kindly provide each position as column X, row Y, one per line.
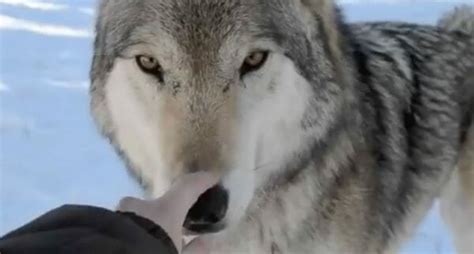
column 170, row 210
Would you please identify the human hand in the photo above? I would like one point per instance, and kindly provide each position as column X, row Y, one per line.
column 170, row 210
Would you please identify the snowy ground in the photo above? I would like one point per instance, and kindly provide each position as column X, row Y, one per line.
column 50, row 153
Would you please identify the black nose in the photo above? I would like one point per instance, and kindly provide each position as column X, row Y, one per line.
column 207, row 213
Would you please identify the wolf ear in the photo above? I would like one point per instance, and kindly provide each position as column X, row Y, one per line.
column 330, row 25
column 327, row 14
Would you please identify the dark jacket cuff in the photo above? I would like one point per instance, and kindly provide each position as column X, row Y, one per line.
column 152, row 228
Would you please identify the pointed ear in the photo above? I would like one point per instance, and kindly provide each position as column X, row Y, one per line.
column 328, row 16
column 331, row 28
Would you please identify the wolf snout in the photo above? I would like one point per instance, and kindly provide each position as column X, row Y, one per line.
column 207, row 214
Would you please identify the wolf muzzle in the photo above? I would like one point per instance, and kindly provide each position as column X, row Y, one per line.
column 207, row 214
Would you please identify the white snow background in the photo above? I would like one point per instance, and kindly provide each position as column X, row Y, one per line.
column 50, row 152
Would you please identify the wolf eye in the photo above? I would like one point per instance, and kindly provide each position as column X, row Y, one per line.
column 150, row 66
column 254, row 61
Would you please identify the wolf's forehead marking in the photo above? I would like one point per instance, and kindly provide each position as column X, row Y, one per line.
column 204, row 24
column 202, row 27
column 199, row 28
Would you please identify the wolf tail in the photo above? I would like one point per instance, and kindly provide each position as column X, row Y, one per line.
column 460, row 19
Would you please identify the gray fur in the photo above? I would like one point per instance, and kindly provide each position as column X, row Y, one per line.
column 395, row 101
column 458, row 20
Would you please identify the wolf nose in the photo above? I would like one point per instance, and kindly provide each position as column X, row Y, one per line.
column 207, row 213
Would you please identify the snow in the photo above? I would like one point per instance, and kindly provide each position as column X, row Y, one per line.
column 87, row 11
column 81, row 85
column 12, row 23
column 50, row 151
column 32, row 4
column 3, row 87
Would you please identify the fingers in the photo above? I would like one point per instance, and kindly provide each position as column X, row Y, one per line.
column 170, row 210
column 198, row 246
column 157, row 212
column 186, row 190
column 130, row 204
column 182, row 195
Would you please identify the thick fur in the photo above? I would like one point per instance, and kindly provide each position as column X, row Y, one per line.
column 340, row 143
column 458, row 196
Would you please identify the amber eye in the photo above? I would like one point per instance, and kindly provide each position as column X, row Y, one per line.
column 254, row 61
column 150, row 66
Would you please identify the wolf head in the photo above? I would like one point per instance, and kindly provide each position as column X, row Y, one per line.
column 234, row 87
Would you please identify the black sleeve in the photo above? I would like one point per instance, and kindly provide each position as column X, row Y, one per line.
column 88, row 230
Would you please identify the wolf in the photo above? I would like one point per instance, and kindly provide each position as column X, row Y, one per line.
column 328, row 136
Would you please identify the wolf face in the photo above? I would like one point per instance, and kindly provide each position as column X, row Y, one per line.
column 232, row 87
